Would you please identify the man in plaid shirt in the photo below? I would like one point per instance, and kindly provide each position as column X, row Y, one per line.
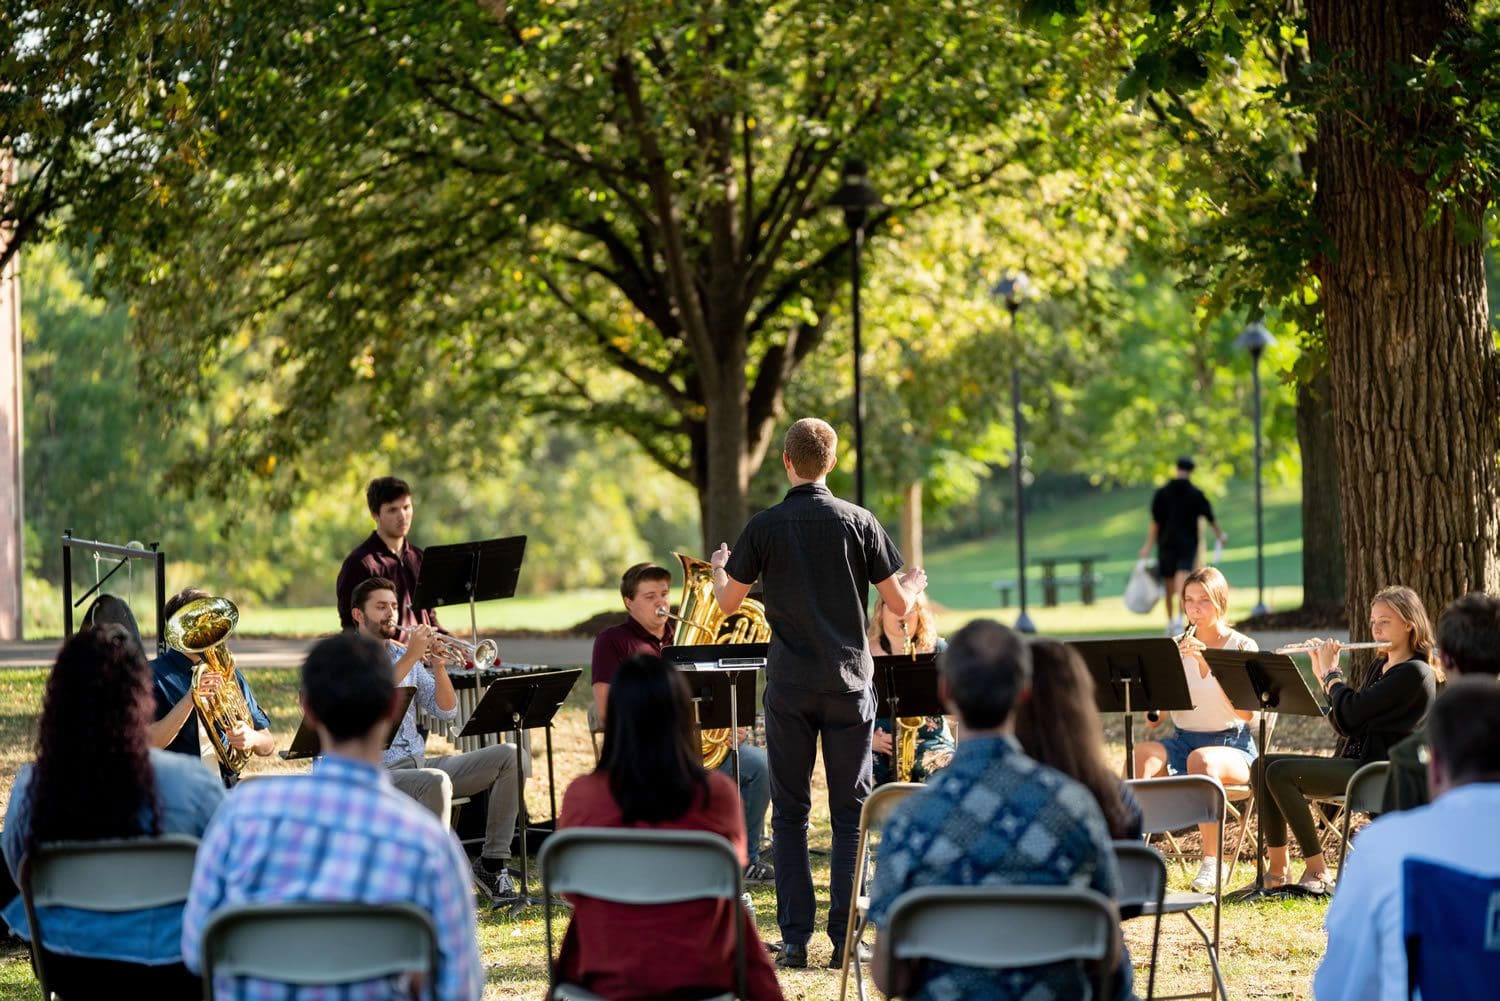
column 342, row 833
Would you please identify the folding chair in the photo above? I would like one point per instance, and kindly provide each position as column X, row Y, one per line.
column 1004, row 927
column 118, row 875
column 644, row 867
column 319, row 943
column 1143, row 885
column 872, row 816
column 1451, row 924
column 1365, row 793
column 1245, row 793
column 1181, row 801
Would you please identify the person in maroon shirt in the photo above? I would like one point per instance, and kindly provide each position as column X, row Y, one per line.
column 651, row 775
column 646, row 589
column 386, row 553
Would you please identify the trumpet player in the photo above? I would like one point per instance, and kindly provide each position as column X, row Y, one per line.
column 175, row 728
column 434, row 781
column 646, row 589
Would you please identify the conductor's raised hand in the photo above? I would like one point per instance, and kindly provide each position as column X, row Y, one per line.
column 914, row 580
column 719, row 558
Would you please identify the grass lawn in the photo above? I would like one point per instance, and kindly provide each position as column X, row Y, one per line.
column 1270, row 950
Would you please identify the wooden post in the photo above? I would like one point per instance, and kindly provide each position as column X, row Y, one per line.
column 11, row 491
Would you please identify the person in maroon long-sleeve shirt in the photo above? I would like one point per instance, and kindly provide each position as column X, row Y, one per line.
column 386, row 553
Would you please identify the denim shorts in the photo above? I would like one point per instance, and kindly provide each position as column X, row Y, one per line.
column 1185, row 742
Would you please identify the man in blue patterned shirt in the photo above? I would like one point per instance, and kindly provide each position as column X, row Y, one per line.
column 342, row 833
column 992, row 817
column 434, row 781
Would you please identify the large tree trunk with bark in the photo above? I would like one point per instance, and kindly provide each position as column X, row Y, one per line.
column 1410, row 353
column 1322, row 531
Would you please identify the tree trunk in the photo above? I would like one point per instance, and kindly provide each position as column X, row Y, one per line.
column 1417, row 424
column 722, row 469
column 1322, row 531
column 911, row 523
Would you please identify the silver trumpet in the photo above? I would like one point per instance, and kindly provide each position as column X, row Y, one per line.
column 1308, row 646
column 480, row 656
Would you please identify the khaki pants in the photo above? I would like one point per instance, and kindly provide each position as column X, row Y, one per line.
column 434, row 782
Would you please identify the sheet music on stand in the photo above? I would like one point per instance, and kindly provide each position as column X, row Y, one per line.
column 468, row 573
column 1135, row 675
column 711, row 669
column 307, row 744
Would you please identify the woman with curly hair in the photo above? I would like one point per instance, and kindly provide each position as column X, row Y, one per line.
column 891, row 634
column 95, row 777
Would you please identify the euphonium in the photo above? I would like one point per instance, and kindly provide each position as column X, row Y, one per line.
column 201, row 627
column 701, row 621
column 905, row 736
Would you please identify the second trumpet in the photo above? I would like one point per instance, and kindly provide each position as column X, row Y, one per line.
column 481, row 655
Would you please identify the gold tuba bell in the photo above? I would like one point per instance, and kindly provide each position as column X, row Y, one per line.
column 701, row 621
column 200, row 627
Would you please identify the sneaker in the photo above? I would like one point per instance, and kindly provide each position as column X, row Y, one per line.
column 760, row 872
column 1204, row 881
column 497, row 886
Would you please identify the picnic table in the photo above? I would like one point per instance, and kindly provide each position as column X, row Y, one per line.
column 1084, row 580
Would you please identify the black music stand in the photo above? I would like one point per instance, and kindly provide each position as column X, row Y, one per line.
column 1257, row 681
column 1135, row 674
column 514, row 703
column 711, row 670
column 906, row 685
column 307, row 744
column 469, row 572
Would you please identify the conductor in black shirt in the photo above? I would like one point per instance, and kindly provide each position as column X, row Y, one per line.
column 1175, row 510
column 816, row 557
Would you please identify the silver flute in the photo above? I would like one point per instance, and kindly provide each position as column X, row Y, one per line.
column 1308, row 646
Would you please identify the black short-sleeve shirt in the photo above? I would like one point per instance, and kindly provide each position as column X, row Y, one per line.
column 1176, row 508
column 816, row 557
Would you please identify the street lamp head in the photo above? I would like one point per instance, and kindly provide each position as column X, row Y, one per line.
column 1012, row 289
column 1255, row 338
column 855, row 195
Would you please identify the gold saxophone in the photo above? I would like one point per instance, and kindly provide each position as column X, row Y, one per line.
column 201, row 627
column 906, row 726
column 701, row 621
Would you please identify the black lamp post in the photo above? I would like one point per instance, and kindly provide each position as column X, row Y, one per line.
column 858, row 199
column 1256, row 338
column 1011, row 290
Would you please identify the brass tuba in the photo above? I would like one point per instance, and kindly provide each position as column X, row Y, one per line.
column 200, row 627
column 701, row 621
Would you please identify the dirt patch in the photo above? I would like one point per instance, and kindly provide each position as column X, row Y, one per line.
column 1314, row 617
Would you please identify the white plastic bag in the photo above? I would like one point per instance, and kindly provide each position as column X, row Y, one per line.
column 1143, row 590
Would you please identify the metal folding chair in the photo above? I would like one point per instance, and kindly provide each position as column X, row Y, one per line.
column 116, row 876
column 320, row 943
column 1170, row 804
column 1365, row 793
column 1004, row 927
column 872, row 817
column 1143, row 884
column 634, row 866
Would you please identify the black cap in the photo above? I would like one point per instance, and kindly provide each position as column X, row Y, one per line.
column 1185, row 463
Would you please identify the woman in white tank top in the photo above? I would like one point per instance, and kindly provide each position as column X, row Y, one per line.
column 1212, row 738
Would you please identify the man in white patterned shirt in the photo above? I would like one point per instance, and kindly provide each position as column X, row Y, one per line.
column 434, row 781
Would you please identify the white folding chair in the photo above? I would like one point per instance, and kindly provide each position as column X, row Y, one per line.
column 643, row 867
column 115, row 876
column 319, row 943
column 872, row 817
column 1365, row 793
column 1169, row 804
column 1004, row 927
column 1143, row 884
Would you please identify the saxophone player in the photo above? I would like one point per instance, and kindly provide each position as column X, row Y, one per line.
column 915, row 632
column 172, row 682
column 646, row 589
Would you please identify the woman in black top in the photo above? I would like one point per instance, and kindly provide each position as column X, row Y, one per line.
column 1390, row 702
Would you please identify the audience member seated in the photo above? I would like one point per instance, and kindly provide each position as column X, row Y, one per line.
column 1388, row 704
column 176, row 726
column 992, row 817
column 1366, row 957
column 342, row 833
column 651, row 774
column 891, row 634
column 1468, row 643
column 97, row 777
column 433, row 780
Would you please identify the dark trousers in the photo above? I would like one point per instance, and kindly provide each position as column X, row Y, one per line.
column 795, row 721
column 80, row 977
column 1290, row 780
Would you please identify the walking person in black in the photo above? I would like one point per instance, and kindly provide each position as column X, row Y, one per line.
column 1175, row 510
column 816, row 557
